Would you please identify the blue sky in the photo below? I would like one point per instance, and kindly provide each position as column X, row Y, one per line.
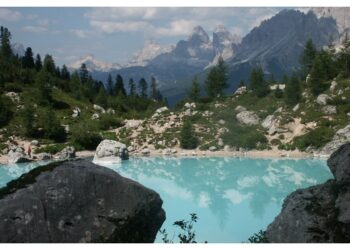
column 115, row 34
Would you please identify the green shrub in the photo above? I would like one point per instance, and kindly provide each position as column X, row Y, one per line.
column 85, row 136
column 315, row 138
column 275, row 142
column 51, row 149
column 107, row 121
column 13, row 87
column 245, row 137
column 259, row 237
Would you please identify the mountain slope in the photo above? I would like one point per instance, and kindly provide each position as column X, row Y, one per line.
column 278, row 42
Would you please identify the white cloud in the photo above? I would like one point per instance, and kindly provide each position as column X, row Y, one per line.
column 175, row 28
column 121, row 13
column 79, row 33
column 176, row 21
column 10, row 15
column 43, row 22
column 34, row 29
column 112, row 27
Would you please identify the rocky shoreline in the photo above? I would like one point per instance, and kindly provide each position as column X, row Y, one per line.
column 200, row 153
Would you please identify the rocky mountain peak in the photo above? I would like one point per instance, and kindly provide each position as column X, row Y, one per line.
column 199, row 35
column 92, row 64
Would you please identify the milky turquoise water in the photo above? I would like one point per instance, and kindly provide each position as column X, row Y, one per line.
column 233, row 197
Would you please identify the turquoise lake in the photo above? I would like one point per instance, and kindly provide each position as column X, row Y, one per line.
column 233, row 197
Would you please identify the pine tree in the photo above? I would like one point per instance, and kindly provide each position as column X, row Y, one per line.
column 272, row 79
column 142, row 87
column 102, row 97
column 83, row 74
column 194, row 92
column 110, row 84
column 216, row 81
column 28, row 60
column 188, row 140
column 257, row 82
column 278, row 92
column 65, row 75
column 44, row 88
column 317, row 77
column 344, row 56
column 38, row 63
column 28, row 120
column 5, row 38
column 119, row 86
column 75, row 85
column 49, row 65
column 241, row 83
column 292, row 92
column 307, row 57
column 132, row 87
column 154, row 91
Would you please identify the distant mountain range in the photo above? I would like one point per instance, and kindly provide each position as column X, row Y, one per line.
column 275, row 45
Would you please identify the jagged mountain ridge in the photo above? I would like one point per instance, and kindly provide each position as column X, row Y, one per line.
column 275, row 44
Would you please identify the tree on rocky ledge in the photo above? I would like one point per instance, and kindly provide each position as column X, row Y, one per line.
column 187, row 138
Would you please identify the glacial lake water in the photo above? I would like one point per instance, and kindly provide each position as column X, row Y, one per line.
column 233, row 197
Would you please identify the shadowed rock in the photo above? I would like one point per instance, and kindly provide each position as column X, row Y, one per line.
column 77, row 201
column 320, row 213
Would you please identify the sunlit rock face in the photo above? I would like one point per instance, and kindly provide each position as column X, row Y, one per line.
column 320, row 213
column 77, row 201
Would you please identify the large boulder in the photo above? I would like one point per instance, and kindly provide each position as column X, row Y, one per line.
column 320, row 213
column 78, row 201
column 109, row 152
column 248, row 118
column 17, row 155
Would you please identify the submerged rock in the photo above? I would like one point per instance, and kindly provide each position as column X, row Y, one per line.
column 78, row 201
column 320, row 213
column 109, row 151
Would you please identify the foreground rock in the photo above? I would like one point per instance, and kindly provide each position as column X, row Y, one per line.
column 77, row 201
column 109, row 152
column 320, row 213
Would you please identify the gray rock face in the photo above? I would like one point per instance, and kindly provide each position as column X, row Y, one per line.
column 322, row 99
column 248, row 118
column 109, row 151
column 77, row 201
column 17, row 155
column 329, row 110
column 65, row 154
column 341, row 136
column 320, row 213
